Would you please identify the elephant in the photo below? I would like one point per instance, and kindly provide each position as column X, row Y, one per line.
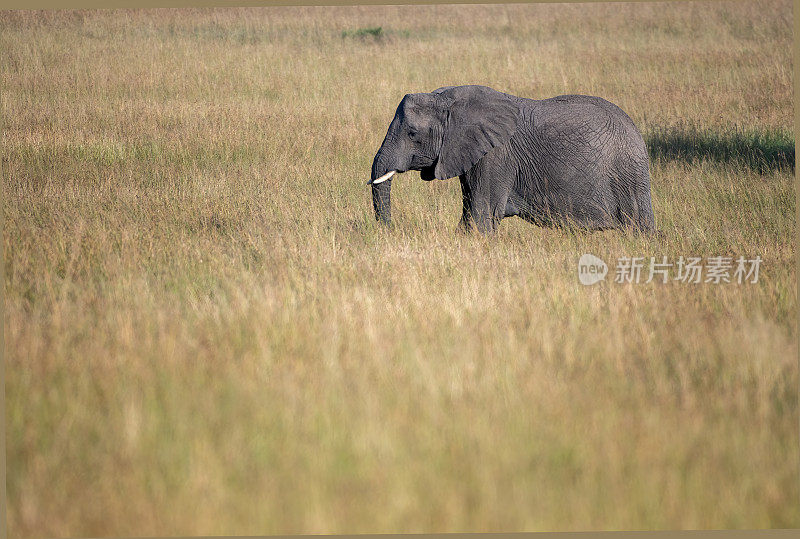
column 572, row 161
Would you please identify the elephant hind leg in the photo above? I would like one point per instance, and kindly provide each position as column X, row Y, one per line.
column 634, row 212
column 631, row 189
column 631, row 192
column 511, row 209
column 646, row 220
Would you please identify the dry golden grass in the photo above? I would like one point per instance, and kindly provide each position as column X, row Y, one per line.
column 206, row 332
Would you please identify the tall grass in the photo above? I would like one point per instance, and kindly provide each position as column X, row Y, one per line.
column 206, row 332
column 761, row 150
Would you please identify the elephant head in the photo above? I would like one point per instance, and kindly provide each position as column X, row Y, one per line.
column 441, row 134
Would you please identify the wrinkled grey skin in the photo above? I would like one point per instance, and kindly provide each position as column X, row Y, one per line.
column 571, row 160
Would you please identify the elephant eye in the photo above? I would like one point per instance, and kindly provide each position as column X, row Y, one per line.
column 412, row 133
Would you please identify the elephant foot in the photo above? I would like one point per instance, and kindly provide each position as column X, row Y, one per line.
column 463, row 227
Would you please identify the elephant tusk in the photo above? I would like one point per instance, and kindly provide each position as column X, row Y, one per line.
column 382, row 178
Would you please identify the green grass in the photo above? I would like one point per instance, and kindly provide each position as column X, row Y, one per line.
column 375, row 32
column 761, row 150
column 206, row 332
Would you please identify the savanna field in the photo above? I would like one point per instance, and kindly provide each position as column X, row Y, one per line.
column 206, row 332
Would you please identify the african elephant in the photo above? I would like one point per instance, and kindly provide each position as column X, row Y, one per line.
column 571, row 160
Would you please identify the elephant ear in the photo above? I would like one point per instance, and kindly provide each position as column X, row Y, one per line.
column 478, row 119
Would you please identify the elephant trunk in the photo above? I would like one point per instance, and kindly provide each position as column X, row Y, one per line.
column 381, row 182
column 381, row 201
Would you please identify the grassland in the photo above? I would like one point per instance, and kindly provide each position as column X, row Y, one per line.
column 206, row 332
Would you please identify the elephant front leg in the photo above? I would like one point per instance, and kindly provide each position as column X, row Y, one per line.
column 465, row 224
column 485, row 190
column 484, row 220
column 475, row 213
column 483, row 211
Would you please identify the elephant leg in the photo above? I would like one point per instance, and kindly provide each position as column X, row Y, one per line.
column 489, row 184
column 485, row 222
column 484, row 215
column 475, row 213
column 465, row 224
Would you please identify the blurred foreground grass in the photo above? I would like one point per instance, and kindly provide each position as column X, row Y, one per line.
column 206, row 333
